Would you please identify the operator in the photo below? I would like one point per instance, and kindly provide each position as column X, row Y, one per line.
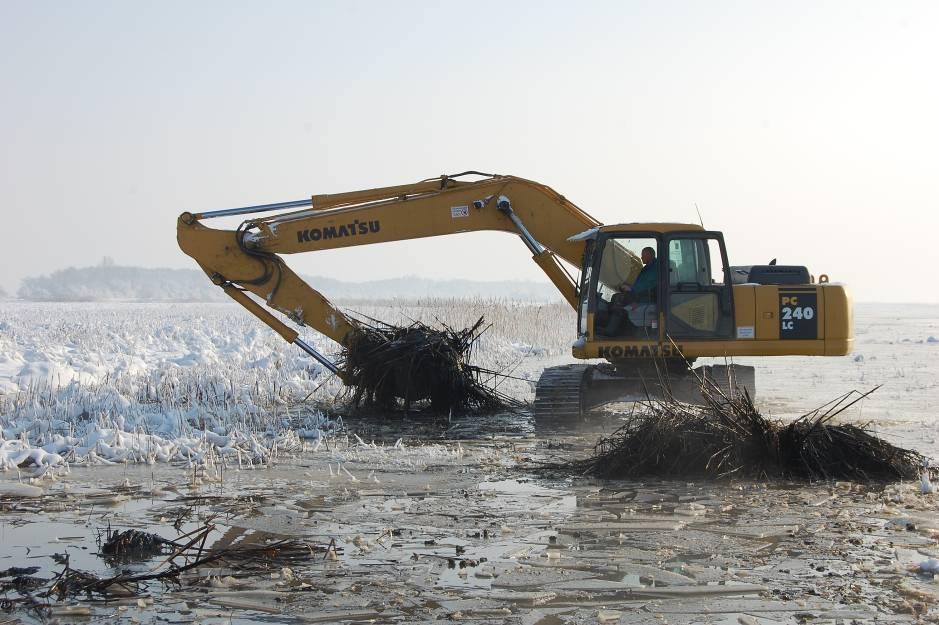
column 640, row 291
column 643, row 289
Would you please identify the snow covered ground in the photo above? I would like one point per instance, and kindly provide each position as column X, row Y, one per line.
column 101, row 383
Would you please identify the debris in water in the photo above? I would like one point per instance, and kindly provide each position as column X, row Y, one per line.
column 385, row 364
column 187, row 552
column 132, row 544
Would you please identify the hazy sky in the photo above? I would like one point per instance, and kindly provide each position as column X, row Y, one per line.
column 807, row 131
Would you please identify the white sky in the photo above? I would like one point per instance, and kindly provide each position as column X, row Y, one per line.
column 807, row 131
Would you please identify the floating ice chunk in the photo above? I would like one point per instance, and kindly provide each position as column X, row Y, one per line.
column 215, row 439
column 312, row 434
column 15, row 489
column 925, row 486
column 691, row 509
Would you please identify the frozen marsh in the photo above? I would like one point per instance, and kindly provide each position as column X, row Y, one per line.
column 164, row 418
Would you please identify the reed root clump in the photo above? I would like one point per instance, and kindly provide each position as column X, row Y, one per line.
column 402, row 366
column 727, row 436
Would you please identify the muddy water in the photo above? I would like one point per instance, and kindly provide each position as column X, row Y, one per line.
column 472, row 530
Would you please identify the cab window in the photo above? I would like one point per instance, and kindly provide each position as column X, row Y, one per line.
column 627, row 288
column 698, row 300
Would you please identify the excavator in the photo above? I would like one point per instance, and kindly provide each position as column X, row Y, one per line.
column 694, row 303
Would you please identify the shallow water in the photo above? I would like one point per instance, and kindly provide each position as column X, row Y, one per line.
column 479, row 535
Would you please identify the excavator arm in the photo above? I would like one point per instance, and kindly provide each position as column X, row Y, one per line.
column 247, row 260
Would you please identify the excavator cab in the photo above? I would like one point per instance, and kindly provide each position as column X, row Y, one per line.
column 647, row 326
column 694, row 306
column 686, row 291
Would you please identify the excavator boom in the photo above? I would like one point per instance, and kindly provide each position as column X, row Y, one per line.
column 247, row 259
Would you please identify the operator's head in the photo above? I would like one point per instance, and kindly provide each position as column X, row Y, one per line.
column 648, row 255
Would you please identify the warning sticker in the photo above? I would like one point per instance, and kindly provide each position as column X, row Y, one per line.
column 459, row 211
column 745, row 332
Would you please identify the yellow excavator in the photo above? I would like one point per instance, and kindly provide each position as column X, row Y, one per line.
column 644, row 293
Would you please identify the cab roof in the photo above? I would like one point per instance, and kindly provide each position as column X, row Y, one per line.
column 650, row 227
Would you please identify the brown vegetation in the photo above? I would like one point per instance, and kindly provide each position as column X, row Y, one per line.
column 386, row 365
column 727, row 436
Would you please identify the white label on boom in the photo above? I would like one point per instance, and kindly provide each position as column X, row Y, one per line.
column 459, row 211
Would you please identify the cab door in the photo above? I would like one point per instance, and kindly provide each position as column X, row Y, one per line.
column 699, row 294
column 617, row 262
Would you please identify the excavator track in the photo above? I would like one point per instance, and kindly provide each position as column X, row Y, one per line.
column 559, row 396
column 568, row 396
